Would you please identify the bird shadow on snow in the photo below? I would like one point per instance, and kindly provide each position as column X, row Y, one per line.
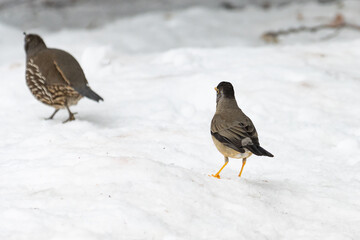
column 274, row 188
column 97, row 119
column 264, row 184
column 261, row 183
column 269, row 191
column 100, row 119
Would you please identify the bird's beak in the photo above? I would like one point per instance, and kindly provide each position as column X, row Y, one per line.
column 217, row 90
column 24, row 33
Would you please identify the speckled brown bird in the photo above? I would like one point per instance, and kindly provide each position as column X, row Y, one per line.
column 233, row 132
column 54, row 76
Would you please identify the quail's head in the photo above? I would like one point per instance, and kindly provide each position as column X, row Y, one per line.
column 224, row 90
column 33, row 43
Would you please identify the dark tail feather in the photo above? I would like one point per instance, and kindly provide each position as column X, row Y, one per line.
column 87, row 92
column 264, row 152
column 257, row 150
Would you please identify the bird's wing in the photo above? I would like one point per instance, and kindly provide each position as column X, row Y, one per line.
column 69, row 68
column 235, row 134
column 44, row 67
column 73, row 74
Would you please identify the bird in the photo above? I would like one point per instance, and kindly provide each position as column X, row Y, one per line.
column 54, row 76
column 232, row 132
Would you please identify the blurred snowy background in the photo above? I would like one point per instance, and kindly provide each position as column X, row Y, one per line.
column 56, row 14
column 137, row 165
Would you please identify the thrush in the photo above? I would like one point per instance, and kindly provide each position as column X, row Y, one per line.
column 233, row 132
column 54, row 76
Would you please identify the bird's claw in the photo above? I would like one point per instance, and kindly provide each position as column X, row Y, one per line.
column 71, row 118
column 215, row 176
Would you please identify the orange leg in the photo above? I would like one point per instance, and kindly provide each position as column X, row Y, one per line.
column 217, row 175
column 244, row 161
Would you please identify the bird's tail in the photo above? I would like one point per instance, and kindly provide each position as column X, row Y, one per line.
column 87, row 92
column 257, row 150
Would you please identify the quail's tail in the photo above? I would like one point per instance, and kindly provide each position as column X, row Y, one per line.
column 87, row 92
column 257, row 150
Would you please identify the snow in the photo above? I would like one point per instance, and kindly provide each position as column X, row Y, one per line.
column 137, row 165
column 57, row 14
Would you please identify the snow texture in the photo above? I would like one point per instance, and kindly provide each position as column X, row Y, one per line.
column 137, row 165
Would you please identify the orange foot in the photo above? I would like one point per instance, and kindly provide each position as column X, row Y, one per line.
column 216, row 176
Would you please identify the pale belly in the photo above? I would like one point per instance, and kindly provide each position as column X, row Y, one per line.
column 229, row 152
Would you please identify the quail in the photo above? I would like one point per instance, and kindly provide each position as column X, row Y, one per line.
column 233, row 132
column 54, row 76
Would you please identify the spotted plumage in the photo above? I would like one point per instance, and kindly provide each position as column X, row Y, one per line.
column 54, row 77
column 56, row 96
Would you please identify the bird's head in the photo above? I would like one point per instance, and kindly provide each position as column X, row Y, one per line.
column 224, row 90
column 33, row 43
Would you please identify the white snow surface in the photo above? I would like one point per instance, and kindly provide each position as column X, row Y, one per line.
column 137, row 165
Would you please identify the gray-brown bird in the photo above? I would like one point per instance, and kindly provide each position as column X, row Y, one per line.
column 233, row 133
column 54, row 77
